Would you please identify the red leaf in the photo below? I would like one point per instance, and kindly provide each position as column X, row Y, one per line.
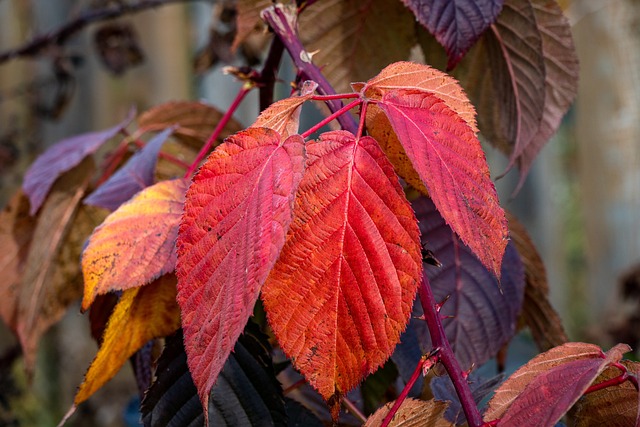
column 449, row 159
column 135, row 175
column 62, row 157
column 136, row 243
column 236, row 217
column 456, row 24
column 342, row 290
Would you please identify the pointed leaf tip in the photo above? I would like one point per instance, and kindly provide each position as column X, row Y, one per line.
column 236, row 216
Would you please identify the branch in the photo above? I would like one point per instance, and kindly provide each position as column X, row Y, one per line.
column 448, row 359
column 60, row 35
column 283, row 22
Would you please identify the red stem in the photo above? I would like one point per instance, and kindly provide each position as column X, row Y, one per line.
column 336, row 96
column 609, row 383
column 332, row 117
column 448, row 359
column 166, row 156
column 113, row 161
column 407, row 388
column 218, row 130
column 363, row 117
column 283, row 23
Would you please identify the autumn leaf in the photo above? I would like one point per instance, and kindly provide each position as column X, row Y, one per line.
column 62, row 157
column 450, row 162
column 549, row 384
column 537, row 312
column 247, row 19
column 284, row 116
column 137, row 174
column 236, row 216
column 142, row 314
column 247, row 377
column 614, row 406
column 412, row 413
column 40, row 259
column 456, row 24
column 136, row 243
column 341, row 292
column 196, row 121
column 352, row 40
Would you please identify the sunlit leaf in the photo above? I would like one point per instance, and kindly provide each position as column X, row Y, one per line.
column 450, row 162
column 61, row 157
column 341, row 292
column 284, row 116
column 137, row 174
column 456, row 24
column 136, row 243
column 246, row 394
column 40, row 259
column 141, row 314
column 237, row 213
column 196, row 121
column 549, row 384
column 412, row 413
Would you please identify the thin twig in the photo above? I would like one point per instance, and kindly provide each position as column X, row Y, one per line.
column 269, row 72
column 60, row 35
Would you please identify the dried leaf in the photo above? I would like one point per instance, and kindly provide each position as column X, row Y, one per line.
column 196, row 121
column 137, row 174
column 449, row 159
column 537, row 312
column 352, row 40
column 284, row 116
column 615, row 406
column 62, row 157
column 563, row 372
column 142, row 314
column 341, row 292
column 136, row 243
column 43, row 274
column 456, row 24
column 412, row 413
column 236, row 216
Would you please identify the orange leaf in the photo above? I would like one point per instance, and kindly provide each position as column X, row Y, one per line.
column 342, row 290
column 136, row 243
column 284, row 116
column 236, row 216
column 142, row 314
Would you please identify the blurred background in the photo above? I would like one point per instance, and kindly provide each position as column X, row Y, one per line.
column 581, row 202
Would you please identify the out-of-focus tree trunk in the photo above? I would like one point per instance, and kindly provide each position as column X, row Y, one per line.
column 608, row 137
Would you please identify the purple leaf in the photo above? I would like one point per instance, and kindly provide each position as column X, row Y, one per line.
column 456, row 24
column 484, row 312
column 62, row 157
column 137, row 174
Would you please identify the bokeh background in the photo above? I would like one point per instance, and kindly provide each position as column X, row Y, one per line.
column 581, row 202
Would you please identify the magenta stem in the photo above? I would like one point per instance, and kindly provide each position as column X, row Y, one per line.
column 447, row 358
column 284, row 25
column 363, row 117
column 218, row 130
column 332, row 117
column 609, row 383
column 336, row 96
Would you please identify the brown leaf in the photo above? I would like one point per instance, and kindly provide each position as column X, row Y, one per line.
column 355, row 39
column 615, row 406
column 196, row 121
column 248, row 19
column 537, row 312
column 520, row 380
column 48, row 274
column 412, row 413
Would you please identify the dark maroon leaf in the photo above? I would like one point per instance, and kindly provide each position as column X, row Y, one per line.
column 443, row 389
column 456, row 24
column 247, row 392
column 137, row 174
column 484, row 313
column 61, row 157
